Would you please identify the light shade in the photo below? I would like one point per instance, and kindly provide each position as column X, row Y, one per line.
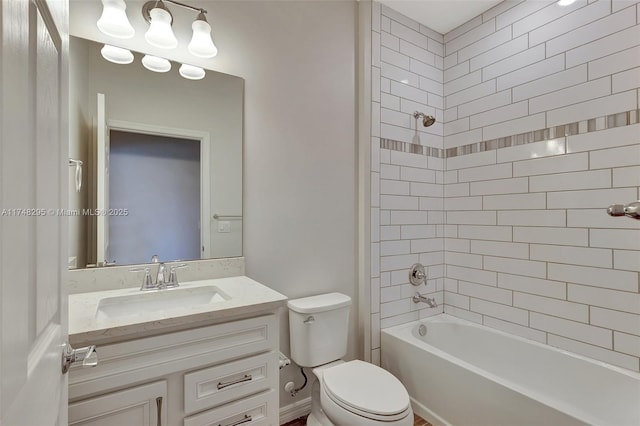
column 160, row 33
column 153, row 63
column 192, row 73
column 566, row 2
column 116, row 55
column 114, row 21
column 201, row 44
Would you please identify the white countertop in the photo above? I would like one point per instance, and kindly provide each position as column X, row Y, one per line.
column 247, row 297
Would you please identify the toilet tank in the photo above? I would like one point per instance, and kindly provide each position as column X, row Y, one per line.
column 318, row 328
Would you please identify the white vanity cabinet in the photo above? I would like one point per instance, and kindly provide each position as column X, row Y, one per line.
column 225, row 374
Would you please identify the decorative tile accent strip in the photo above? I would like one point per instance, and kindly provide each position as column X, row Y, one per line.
column 412, row 148
column 601, row 123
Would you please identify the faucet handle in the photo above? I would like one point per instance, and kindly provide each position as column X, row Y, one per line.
column 147, row 282
column 173, row 274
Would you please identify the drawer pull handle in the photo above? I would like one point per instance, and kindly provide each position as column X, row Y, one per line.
column 246, row 419
column 246, row 378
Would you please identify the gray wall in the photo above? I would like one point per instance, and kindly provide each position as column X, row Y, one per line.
column 298, row 60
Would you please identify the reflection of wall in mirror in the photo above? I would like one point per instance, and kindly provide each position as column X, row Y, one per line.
column 79, row 139
column 134, row 94
column 157, row 178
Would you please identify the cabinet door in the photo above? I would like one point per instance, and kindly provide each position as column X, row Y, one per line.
column 141, row 405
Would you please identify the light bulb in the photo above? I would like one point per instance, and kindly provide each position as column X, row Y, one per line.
column 565, row 2
column 116, row 55
column 155, row 64
column 201, row 44
column 160, row 33
column 191, row 73
column 113, row 21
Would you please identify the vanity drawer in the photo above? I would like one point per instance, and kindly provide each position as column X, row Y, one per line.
column 151, row 357
column 222, row 383
column 258, row 410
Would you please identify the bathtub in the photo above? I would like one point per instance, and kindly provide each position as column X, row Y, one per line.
column 465, row 374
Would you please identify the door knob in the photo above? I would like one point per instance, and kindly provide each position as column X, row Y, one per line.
column 87, row 355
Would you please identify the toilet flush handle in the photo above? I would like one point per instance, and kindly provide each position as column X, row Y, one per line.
column 310, row 320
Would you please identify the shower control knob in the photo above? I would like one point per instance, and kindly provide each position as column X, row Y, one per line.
column 417, row 274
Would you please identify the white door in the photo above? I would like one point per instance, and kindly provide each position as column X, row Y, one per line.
column 33, row 185
column 102, row 181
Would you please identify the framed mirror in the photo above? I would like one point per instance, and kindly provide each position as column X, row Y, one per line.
column 161, row 162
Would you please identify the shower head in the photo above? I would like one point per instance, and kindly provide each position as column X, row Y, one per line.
column 427, row 120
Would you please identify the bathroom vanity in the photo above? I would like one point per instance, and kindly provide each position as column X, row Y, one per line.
column 203, row 353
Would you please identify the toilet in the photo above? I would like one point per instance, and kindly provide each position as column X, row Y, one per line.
column 351, row 393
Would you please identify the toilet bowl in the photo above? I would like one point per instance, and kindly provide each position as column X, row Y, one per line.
column 353, row 393
column 359, row 394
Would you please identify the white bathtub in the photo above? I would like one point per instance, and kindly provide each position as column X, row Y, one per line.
column 465, row 374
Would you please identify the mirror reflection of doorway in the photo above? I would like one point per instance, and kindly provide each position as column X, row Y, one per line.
column 157, row 180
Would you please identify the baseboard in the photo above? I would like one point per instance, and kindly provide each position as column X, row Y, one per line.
column 427, row 414
column 293, row 411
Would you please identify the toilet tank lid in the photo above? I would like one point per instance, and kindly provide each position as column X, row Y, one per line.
column 319, row 303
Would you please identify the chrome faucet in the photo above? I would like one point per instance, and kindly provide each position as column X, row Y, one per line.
column 162, row 280
column 430, row 301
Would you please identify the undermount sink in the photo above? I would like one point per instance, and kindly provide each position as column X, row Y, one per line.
column 158, row 300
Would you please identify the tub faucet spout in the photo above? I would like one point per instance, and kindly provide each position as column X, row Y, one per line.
column 430, row 301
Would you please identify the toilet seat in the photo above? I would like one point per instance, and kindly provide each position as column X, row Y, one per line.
column 366, row 390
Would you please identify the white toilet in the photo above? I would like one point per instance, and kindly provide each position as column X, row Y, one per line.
column 353, row 393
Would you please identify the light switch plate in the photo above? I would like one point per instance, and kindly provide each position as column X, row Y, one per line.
column 224, row 226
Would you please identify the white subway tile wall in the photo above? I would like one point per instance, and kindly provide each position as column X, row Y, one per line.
column 407, row 188
column 512, row 225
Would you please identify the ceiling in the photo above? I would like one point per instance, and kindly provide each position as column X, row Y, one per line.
column 441, row 15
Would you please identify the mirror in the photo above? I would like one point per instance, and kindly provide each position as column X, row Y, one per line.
column 169, row 181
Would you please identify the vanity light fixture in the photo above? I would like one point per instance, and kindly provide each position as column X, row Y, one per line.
column 156, row 64
column 160, row 19
column 565, row 2
column 160, row 34
column 117, row 55
column 201, row 44
column 191, row 73
column 113, row 21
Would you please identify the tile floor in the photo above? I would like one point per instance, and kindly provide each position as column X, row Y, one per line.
column 417, row 421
